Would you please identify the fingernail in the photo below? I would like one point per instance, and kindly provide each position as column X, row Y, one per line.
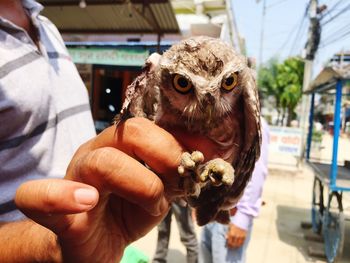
column 85, row 196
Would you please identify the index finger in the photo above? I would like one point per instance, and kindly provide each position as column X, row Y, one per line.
column 142, row 139
column 112, row 171
column 139, row 139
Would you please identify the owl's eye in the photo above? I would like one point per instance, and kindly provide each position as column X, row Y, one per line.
column 181, row 84
column 231, row 82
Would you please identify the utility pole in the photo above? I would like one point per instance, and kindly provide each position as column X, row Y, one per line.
column 311, row 47
column 262, row 33
column 233, row 29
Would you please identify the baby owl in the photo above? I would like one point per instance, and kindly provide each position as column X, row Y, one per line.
column 202, row 86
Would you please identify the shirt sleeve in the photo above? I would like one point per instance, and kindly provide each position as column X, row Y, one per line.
column 249, row 205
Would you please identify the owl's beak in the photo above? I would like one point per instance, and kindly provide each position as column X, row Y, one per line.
column 208, row 113
column 208, row 99
column 208, row 102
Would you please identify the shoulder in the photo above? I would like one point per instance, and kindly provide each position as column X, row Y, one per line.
column 51, row 28
column 47, row 22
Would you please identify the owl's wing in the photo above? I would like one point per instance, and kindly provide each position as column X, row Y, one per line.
column 141, row 95
column 212, row 199
column 244, row 165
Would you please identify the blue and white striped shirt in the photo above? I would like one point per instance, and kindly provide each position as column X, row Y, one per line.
column 44, row 107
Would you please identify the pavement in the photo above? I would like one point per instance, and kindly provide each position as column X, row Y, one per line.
column 277, row 235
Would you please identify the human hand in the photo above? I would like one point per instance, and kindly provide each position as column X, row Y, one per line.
column 110, row 199
column 235, row 236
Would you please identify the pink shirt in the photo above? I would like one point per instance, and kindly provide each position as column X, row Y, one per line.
column 249, row 205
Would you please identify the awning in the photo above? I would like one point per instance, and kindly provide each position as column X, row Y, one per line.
column 113, row 53
column 210, row 7
column 328, row 77
column 112, row 16
column 109, row 56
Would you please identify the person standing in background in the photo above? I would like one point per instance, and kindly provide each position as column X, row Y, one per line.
column 187, row 233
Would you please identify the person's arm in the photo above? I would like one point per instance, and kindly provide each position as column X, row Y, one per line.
column 247, row 208
column 108, row 198
column 26, row 241
column 249, row 205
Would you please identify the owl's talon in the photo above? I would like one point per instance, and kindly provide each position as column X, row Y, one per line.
column 181, row 170
column 218, row 172
column 190, row 161
column 188, row 169
column 197, row 157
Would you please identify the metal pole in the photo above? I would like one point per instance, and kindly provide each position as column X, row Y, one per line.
column 336, row 133
column 305, row 105
column 262, row 34
column 233, row 29
column 311, row 120
column 306, row 82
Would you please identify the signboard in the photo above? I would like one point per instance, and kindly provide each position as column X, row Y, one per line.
column 109, row 56
column 285, row 140
column 85, row 72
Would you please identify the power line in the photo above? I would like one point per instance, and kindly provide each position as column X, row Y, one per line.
column 288, row 38
column 337, row 15
column 301, row 26
column 276, row 3
column 340, row 33
column 336, row 33
column 297, row 39
column 344, row 35
column 331, row 9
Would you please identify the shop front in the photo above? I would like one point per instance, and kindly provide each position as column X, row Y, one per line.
column 107, row 70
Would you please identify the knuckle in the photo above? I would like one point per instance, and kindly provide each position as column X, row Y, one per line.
column 93, row 161
column 93, row 165
column 136, row 126
column 154, row 191
column 48, row 198
column 85, row 167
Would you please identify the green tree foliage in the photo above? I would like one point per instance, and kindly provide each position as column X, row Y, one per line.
column 290, row 77
column 283, row 82
column 267, row 83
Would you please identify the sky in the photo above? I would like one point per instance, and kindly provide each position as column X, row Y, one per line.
column 283, row 22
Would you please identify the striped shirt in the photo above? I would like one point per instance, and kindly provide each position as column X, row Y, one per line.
column 44, row 107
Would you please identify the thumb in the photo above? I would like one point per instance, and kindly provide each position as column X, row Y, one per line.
column 48, row 201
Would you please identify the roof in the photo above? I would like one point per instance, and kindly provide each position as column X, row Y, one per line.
column 328, row 77
column 112, row 16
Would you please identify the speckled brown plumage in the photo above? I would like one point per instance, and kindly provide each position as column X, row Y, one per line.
column 230, row 118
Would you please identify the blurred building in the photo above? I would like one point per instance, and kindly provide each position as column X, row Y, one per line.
column 338, row 66
column 109, row 40
column 213, row 18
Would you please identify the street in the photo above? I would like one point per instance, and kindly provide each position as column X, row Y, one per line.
column 277, row 235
